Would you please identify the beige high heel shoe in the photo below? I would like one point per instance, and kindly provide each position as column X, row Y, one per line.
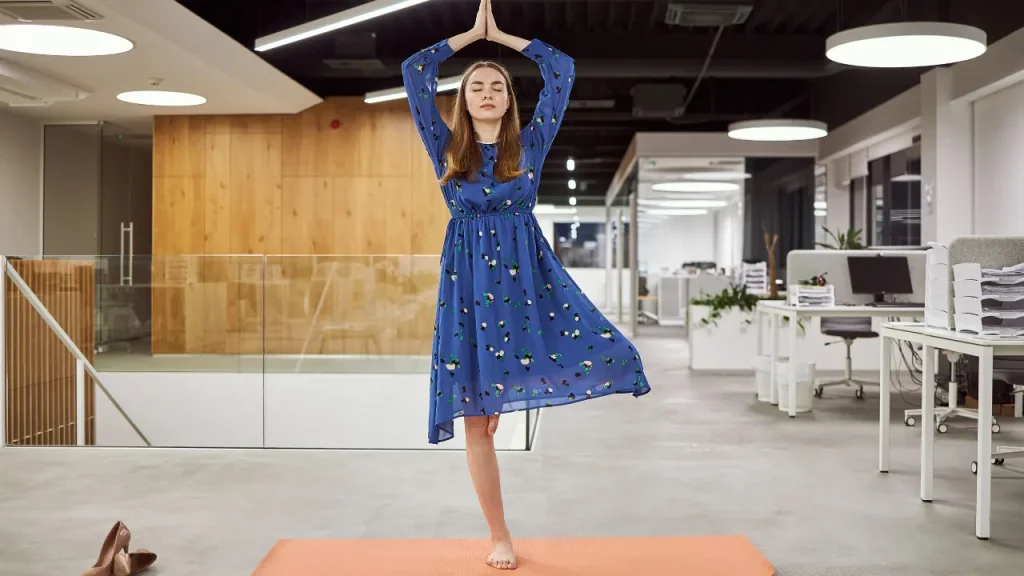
column 122, row 564
column 116, row 541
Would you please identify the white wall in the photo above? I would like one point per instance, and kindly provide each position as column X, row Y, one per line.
column 331, row 410
column 20, row 185
column 998, row 165
column 664, row 246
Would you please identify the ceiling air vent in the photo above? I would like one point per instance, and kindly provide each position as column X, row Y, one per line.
column 47, row 10
column 714, row 15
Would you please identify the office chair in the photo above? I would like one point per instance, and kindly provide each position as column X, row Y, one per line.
column 849, row 329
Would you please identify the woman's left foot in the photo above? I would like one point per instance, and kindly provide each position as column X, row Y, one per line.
column 503, row 557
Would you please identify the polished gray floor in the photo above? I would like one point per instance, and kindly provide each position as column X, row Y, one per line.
column 697, row 456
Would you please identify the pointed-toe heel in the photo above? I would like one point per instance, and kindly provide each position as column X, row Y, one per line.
column 116, row 541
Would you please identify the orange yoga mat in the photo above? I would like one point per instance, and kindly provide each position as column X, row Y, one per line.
column 682, row 556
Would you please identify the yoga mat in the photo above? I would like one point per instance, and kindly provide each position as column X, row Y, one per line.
column 675, row 556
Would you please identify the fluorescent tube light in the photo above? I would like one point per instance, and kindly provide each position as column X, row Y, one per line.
column 819, row 205
column 342, row 19
column 443, row 85
column 820, row 213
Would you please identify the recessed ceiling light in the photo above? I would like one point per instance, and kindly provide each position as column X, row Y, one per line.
column 716, row 175
column 695, row 187
column 572, row 201
column 684, row 203
column 50, row 40
column 906, row 45
column 778, row 130
column 161, row 98
column 570, row 164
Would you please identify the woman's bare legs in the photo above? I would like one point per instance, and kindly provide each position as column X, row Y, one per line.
column 483, row 469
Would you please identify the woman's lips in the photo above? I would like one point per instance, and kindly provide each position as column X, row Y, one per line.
column 488, row 107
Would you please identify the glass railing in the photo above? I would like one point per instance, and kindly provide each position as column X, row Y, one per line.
column 228, row 351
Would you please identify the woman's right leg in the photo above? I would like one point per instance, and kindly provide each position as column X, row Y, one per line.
column 483, row 469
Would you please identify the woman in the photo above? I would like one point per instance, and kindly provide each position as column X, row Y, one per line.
column 513, row 331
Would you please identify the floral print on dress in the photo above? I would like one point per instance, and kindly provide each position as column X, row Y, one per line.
column 513, row 330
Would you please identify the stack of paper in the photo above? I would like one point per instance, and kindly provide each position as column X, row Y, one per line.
column 755, row 278
column 936, row 287
column 812, row 296
column 989, row 302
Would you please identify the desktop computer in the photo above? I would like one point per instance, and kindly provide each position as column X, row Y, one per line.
column 881, row 276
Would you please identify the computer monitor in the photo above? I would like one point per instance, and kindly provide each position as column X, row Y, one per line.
column 879, row 275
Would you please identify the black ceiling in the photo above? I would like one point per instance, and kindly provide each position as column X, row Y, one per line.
column 772, row 64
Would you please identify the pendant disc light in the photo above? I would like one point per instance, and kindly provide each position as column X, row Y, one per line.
column 778, row 130
column 906, row 45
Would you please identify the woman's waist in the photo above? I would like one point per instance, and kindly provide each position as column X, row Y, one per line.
column 519, row 213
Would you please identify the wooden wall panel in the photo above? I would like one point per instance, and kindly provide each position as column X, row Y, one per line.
column 356, row 202
column 41, row 390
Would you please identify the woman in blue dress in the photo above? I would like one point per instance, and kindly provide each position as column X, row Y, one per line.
column 513, row 331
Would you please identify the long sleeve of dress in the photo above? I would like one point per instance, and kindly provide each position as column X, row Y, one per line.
column 419, row 74
column 559, row 73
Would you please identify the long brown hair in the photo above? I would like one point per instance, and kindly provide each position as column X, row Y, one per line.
column 463, row 151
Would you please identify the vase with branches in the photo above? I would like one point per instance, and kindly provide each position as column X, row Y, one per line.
column 769, row 243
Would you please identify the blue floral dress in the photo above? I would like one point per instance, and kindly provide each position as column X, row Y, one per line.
column 512, row 331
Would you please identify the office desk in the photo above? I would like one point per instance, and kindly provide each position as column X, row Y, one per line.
column 932, row 339
column 776, row 309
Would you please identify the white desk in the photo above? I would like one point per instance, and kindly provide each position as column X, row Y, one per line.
column 776, row 309
column 933, row 339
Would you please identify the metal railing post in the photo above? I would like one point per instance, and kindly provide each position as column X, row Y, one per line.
column 80, row 402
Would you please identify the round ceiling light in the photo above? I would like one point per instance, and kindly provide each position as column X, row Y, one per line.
column 906, row 45
column 695, row 187
column 50, row 40
column 778, row 130
column 161, row 98
column 683, row 203
column 716, row 176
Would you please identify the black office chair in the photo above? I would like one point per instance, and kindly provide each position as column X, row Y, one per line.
column 849, row 329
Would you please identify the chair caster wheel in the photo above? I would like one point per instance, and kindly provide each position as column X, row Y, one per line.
column 910, row 420
column 942, row 428
column 974, row 467
column 859, row 394
column 998, row 461
column 817, row 392
column 995, row 428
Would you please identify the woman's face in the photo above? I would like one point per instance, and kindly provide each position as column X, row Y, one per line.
column 486, row 94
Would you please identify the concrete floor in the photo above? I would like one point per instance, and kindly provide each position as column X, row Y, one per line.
column 696, row 456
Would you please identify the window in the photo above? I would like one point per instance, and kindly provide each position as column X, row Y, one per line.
column 582, row 244
column 896, row 198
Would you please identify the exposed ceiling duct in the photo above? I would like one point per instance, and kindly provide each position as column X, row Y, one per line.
column 47, row 11
column 706, row 15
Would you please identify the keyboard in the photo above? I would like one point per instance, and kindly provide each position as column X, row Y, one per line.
column 896, row 305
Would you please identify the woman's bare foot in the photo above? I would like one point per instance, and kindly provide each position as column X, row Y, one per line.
column 503, row 557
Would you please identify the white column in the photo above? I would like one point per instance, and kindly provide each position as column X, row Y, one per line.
column 947, row 160
column 609, row 261
column 837, row 194
column 620, row 259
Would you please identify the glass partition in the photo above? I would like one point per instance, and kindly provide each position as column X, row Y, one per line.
column 232, row 351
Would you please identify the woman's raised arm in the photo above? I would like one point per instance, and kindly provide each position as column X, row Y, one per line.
column 419, row 74
column 559, row 73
